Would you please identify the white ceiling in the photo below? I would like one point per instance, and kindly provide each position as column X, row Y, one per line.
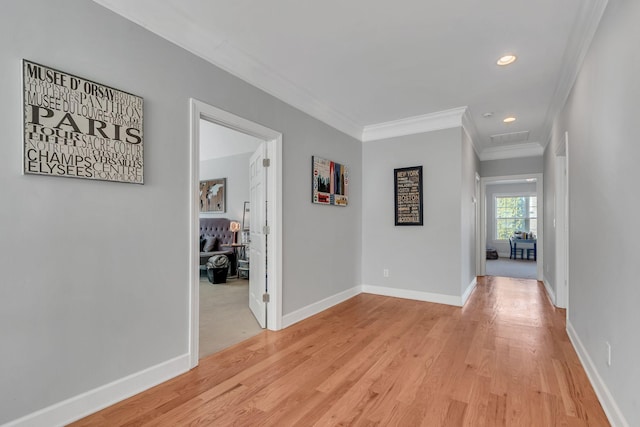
column 360, row 64
column 218, row 141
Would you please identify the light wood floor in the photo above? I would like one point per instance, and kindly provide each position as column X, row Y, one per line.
column 502, row 360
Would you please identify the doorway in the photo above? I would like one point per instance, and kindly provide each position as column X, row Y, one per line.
column 225, row 315
column 268, row 225
column 528, row 260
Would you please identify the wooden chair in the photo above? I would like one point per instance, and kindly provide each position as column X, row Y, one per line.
column 514, row 251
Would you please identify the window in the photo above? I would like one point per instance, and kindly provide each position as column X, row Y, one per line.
column 515, row 213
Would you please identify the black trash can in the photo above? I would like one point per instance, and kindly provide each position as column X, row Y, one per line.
column 217, row 269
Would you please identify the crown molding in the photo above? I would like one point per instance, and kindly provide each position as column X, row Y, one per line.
column 512, row 151
column 469, row 126
column 219, row 52
column 259, row 75
column 413, row 125
column 584, row 29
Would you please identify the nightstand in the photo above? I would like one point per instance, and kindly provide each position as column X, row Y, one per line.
column 243, row 269
column 238, row 250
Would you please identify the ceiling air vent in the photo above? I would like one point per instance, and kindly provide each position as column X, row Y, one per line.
column 510, row 138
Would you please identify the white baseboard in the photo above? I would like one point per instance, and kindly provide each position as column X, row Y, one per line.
column 415, row 295
column 609, row 405
column 84, row 404
column 317, row 307
column 549, row 289
column 470, row 288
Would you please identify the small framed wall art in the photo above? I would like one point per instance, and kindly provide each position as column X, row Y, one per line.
column 212, row 195
column 329, row 182
column 75, row 127
column 408, row 195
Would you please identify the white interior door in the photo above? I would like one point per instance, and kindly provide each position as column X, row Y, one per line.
column 258, row 241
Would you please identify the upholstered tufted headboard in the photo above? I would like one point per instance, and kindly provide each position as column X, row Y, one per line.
column 218, row 227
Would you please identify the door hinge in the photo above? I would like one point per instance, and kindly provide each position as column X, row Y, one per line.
column 265, row 297
column 266, row 162
column 266, row 229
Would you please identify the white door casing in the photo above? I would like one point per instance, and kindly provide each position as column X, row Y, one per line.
column 565, row 236
column 560, row 261
column 477, row 204
column 258, row 241
column 561, row 223
column 203, row 111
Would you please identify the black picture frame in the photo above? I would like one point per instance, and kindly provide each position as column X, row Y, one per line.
column 408, row 196
column 77, row 116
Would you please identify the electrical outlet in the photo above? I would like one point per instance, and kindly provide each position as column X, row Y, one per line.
column 608, row 353
column 385, row 272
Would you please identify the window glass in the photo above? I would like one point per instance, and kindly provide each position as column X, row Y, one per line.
column 515, row 213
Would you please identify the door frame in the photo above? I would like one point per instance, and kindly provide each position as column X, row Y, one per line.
column 561, row 214
column 478, row 216
column 200, row 110
column 482, row 258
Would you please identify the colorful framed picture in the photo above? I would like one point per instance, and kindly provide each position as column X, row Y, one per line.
column 329, row 182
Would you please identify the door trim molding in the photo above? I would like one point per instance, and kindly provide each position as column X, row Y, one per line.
column 560, row 231
column 477, row 207
column 200, row 110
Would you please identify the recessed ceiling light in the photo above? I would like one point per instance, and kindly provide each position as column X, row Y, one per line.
column 487, row 115
column 509, row 120
column 506, row 60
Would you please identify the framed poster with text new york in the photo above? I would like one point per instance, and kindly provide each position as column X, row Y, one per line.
column 408, row 195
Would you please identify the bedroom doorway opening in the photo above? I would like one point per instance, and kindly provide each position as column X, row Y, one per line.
column 226, row 172
column 512, row 226
column 244, row 219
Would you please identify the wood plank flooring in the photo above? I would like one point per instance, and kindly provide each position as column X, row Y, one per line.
column 502, row 360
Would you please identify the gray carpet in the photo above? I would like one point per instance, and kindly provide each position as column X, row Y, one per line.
column 505, row 267
column 225, row 318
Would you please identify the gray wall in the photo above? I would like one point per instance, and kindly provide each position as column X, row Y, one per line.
column 506, row 167
column 601, row 118
column 426, row 258
column 495, row 189
column 236, row 170
column 322, row 243
column 470, row 165
column 95, row 274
